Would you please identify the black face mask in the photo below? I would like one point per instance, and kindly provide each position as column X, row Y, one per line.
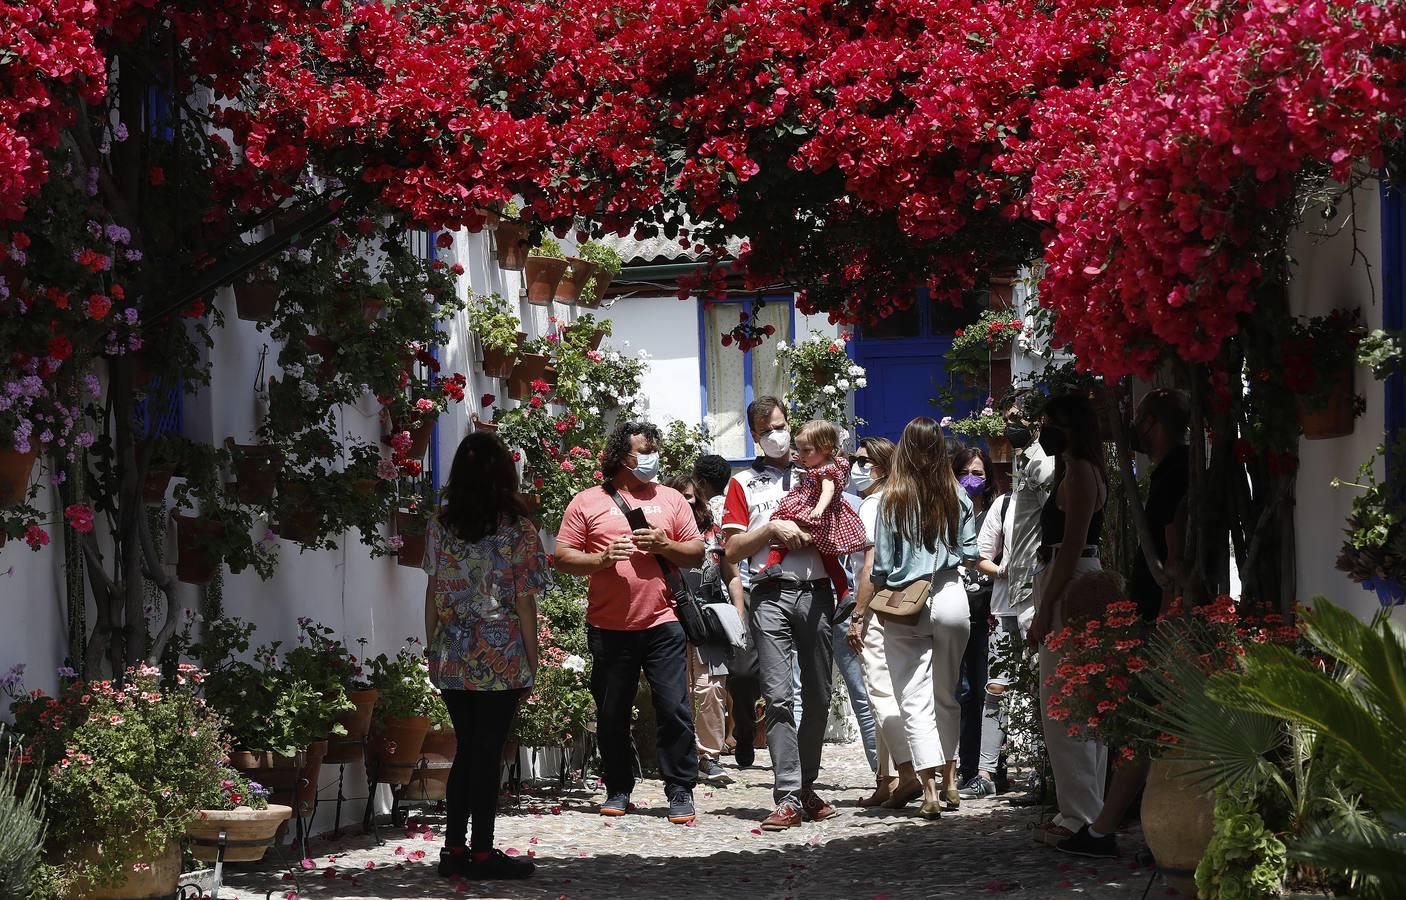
column 1135, row 442
column 1019, row 436
column 1053, row 440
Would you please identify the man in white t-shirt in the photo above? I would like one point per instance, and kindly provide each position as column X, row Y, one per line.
column 791, row 617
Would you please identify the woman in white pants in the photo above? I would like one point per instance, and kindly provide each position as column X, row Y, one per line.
column 1070, row 525
column 925, row 530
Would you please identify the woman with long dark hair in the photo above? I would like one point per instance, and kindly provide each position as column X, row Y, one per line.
column 1071, row 523
column 487, row 568
column 977, row 477
column 925, row 530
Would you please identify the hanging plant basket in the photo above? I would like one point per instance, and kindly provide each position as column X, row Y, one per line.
column 255, row 301
column 395, row 748
column 367, row 310
column 579, row 273
column 1002, row 293
column 510, row 242
column 256, row 470
column 596, row 338
column 499, row 363
column 193, row 564
column 248, row 832
column 533, row 502
column 530, row 367
column 350, row 747
column 15, row 471
column 602, row 280
column 297, row 521
column 412, row 547
column 543, row 274
column 480, row 425
column 1333, row 417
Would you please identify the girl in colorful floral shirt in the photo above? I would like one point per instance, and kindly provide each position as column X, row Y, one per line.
column 487, row 567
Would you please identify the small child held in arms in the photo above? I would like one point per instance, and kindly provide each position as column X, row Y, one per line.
column 815, row 504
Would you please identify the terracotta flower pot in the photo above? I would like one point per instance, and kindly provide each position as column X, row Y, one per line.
column 999, row 449
column 291, row 780
column 255, row 301
column 349, row 747
column 256, row 468
column 510, row 241
column 155, row 484
column 412, row 547
column 367, row 310
column 533, row 502
column 15, row 470
column 1002, row 293
column 481, row 425
column 498, row 363
column 543, row 274
column 419, row 436
column 395, row 749
column 530, row 367
column 248, row 832
column 578, row 274
column 1333, row 417
column 156, row 877
column 1177, row 821
column 327, row 349
column 596, row 338
column 437, row 752
column 194, row 565
column 602, row 280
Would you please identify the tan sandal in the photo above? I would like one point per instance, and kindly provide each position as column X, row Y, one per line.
column 883, row 790
column 903, row 795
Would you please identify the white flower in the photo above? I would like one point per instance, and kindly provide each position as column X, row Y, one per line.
column 842, row 384
column 643, row 353
column 856, row 370
column 624, row 343
column 781, row 345
column 988, row 411
column 613, row 356
column 594, row 410
column 574, row 663
column 861, row 382
column 294, row 370
column 829, row 389
column 308, row 390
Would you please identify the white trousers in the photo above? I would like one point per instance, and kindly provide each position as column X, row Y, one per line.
column 1078, row 765
column 883, row 704
column 925, row 661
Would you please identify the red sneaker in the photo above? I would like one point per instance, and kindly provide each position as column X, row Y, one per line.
column 787, row 815
column 815, row 809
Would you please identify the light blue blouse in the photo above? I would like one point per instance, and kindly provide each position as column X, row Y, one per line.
column 899, row 561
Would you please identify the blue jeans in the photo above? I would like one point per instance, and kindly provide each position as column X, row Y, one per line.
column 853, row 674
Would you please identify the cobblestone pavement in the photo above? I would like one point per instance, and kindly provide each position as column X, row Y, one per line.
column 985, row 849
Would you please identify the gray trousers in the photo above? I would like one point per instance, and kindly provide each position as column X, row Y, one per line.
column 792, row 622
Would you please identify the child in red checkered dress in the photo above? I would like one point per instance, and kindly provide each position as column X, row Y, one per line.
column 815, row 504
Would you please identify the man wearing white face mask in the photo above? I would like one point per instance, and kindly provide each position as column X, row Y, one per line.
column 630, row 618
column 791, row 617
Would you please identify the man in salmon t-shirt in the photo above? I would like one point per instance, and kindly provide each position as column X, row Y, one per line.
column 630, row 618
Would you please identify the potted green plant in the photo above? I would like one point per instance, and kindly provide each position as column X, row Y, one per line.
column 256, row 297
column 238, row 808
column 532, row 364
column 988, row 426
column 822, row 379
column 256, row 470
column 579, row 273
column 497, row 328
column 1374, row 552
column 511, row 240
column 436, row 754
column 1320, row 358
column 321, row 659
column 115, row 810
column 401, row 717
column 607, row 263
column 545, row 266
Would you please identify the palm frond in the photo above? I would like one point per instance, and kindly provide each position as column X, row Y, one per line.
column 1374, row 858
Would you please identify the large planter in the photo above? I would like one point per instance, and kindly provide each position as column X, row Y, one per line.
column 158, row 877
column 254, row 301
column 578, row 274
column 193, row 564
column 431, row 778
column 351, row 746
column 510, row 243
column 1177, row 821
column 999, row 448
column 543, row 274
column 412, row 546
column 530, row 367
column 248, row 832
column 15, row 470
column 291, row 780
column 395, row 748
column 499, row 363
column 1333, row 416
column 256, row 470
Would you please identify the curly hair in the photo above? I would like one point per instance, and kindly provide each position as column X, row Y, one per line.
column 712, row 470
column 617, row 446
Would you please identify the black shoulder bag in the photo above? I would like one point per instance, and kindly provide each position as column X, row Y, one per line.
column 696, row 625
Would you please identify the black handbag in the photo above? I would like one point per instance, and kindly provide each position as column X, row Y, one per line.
column 698, row 627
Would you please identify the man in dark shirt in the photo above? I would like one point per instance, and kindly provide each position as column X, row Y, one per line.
column 1159, row 430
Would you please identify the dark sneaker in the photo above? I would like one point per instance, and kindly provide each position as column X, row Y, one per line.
column 815, row 809
column 615, row 805
column 453, row 865
column 711, row 772
column 681, row 805
column 499, row 865
column 787, row 815
column 1081, row 843
column 978, row 788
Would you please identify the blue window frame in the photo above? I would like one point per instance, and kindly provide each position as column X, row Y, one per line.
column 730, row 401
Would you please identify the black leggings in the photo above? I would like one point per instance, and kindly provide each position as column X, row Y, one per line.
column 482, row 720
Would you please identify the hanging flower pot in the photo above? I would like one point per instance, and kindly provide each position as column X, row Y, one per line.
column 15, row 471
column 999, row 448
column 194, row 563
column 1332, row 416
column 530, row 367
column 248, row 832
column 431, row 775
column 412, row 539
column 327, row 349
column 579, row 273
column 297, row 521
column 1177, row 821
column 291, row 780
column 368, row 309
column 156, row 876
column 1389, row 593
column 543, row 274
column 601, row 279
column 255, row 301
column 533, row 502
column 480, row 425
column 350, row 747
column 256, row 470
column 154, row 486
column 510, row 241
column 1002, row 293
column 395, row 748
column 499, row 363
column 420, row 436
column 596, row 338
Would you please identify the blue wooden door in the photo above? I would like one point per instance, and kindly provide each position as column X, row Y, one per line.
column 904, row 360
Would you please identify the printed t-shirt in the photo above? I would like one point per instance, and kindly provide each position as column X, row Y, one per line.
column 630, row 595
column 479, row 645
column 752, row 496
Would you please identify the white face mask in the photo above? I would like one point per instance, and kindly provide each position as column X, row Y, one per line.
column 775, row 444
column 646, row 467
column 861, row 477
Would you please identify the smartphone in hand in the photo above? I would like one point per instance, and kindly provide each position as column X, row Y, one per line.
column 635, row 517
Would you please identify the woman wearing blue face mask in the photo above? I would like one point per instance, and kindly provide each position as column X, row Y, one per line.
column 976, row 476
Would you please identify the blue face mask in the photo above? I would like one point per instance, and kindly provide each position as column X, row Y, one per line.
column 646, row 467
column 974, row 485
